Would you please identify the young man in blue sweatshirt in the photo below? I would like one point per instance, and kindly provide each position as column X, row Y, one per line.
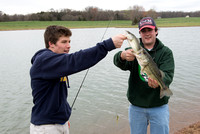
column 49, row 71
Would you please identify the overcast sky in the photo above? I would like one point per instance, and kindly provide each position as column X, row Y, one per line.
column 33, row 6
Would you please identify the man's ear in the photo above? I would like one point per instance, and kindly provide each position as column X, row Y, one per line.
column 51, row 45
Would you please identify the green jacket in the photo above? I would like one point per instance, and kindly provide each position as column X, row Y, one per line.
column 139, row 93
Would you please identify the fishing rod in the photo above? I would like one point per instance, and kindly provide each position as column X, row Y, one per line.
column 88, row 68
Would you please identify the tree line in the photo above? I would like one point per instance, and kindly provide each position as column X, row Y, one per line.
column 134, row 13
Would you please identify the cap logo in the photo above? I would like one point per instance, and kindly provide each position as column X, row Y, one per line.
column 146, row 22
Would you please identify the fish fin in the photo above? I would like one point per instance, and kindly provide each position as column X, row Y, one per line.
column 162, row 74
column 165, row 92
column 138, row 40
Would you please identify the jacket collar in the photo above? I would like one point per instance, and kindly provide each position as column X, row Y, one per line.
column 158, row 45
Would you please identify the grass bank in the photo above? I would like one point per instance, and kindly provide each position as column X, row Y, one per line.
column 165, row 22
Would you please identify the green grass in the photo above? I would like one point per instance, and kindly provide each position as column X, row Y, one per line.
column 178, row 22
column 26, row 25
column 20, row 25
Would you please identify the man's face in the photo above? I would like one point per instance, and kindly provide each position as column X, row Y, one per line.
column 61, row 46
column 148, row 36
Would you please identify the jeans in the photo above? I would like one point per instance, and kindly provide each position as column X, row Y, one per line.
column 157, row 117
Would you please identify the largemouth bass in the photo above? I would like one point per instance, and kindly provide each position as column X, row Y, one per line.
column 147, row 64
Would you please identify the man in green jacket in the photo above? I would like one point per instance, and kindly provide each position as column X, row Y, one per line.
column 143, row 93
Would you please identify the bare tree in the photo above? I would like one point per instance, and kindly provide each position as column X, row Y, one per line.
column 32, row 17
column 1, row 16
column 137, row 13
column 152, row 13
column 92, row 13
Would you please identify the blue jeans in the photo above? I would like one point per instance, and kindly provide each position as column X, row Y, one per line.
column 157, row 117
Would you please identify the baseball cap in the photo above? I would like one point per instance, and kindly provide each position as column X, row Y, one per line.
column 146, row 22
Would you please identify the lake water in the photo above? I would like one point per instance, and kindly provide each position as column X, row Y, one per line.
column 102, row 106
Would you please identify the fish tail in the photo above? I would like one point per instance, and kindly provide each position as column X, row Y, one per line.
column 165, row 92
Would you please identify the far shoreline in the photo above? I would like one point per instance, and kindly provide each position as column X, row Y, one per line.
column 89, row 28
column 40, row 25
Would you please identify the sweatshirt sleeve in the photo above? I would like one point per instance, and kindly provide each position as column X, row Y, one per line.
column 122, row 64
column 167, row 66
column 50, row 65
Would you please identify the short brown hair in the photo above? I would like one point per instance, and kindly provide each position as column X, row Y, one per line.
column 53, row 33
column 156, row 29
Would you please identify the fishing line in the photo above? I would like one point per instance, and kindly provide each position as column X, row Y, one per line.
column 88, row 68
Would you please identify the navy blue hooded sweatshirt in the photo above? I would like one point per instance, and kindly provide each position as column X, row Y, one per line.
column 48, row 80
